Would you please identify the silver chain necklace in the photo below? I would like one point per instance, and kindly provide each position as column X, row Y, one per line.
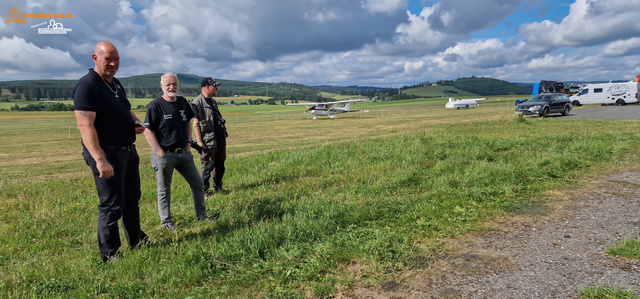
column 115, row 92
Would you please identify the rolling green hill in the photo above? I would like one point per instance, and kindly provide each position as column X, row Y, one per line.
column 489, row 86
column 466, row 87
column 439, row 91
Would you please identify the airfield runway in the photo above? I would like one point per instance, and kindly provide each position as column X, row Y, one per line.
column 628, row 112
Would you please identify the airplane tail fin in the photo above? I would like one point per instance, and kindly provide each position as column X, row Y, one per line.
column 347, row 106
column 450, row 100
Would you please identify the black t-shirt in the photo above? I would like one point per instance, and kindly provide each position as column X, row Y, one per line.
column 218, row 130
column 169, row 122
column 113, row 122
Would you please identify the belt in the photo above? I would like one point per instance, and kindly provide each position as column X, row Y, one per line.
column 122, row 147
column 175, row 150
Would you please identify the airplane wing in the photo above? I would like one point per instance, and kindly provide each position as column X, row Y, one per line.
column 344, row 101
column 305, row 104
column 327, row 103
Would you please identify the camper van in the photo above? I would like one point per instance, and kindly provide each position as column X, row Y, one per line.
column 607, row 94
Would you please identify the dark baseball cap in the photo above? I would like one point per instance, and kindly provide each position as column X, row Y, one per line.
column 209, row 81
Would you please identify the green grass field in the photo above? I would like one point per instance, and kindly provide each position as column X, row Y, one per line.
column 380, row 191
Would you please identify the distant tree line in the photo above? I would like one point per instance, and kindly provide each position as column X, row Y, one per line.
column 378, row 94
column 43, row 107
column 33, row 92
column 291, row 98
column 419, row 85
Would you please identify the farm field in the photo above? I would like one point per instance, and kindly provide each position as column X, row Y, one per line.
column 315, row 207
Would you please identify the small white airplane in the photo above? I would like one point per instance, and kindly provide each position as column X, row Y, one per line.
column 328, row 108
column 460, row 103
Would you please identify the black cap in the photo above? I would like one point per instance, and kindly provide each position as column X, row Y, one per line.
column 209, row 81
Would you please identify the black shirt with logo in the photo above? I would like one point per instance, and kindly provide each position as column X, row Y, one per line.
column 169, row 122
column 113, row 123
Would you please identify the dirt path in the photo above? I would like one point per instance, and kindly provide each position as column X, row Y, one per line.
column 550, row 256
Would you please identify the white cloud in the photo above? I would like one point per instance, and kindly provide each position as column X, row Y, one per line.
column 20, row 55
column 418, row 29
column 230, row 31
column 461, row 17
column 383, row 6
column 623, row 47
column 590, row 22
column 340, row 42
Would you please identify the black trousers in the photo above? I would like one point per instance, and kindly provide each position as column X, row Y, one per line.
column 119, row 196
column 213, row 166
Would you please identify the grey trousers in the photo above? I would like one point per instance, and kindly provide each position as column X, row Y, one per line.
column 183, row 163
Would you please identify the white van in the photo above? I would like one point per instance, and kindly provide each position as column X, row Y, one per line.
column 607, row 94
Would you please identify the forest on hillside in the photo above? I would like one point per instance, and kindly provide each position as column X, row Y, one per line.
column 478, row 85
column 489, row 86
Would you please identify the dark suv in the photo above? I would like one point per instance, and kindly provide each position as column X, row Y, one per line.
column 545, row 103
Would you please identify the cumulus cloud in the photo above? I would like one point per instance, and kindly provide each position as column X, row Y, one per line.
column 623, row 47
column 463, row 17
column 339, row 42
column 417, row 30
column 229, row 30
column 20, row 54
column 21, row 59
column 383, row 6
column 590, row 22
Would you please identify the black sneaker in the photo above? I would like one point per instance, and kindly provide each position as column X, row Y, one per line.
column 170, row 227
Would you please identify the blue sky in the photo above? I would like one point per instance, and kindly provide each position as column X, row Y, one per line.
column 336, row 42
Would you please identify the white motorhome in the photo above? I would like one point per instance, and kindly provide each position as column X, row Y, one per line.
column 607, row 94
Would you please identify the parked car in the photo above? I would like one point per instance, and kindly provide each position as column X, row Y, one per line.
column 544, row 104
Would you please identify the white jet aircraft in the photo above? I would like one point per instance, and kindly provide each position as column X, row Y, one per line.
column 460, row 103
column 328, row 108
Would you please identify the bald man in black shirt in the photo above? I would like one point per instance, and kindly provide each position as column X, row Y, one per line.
column 108, row 128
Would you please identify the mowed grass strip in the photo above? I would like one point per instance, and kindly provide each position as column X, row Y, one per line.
column 378, row 192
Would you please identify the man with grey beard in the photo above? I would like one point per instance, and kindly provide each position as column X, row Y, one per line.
column 168, row 132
